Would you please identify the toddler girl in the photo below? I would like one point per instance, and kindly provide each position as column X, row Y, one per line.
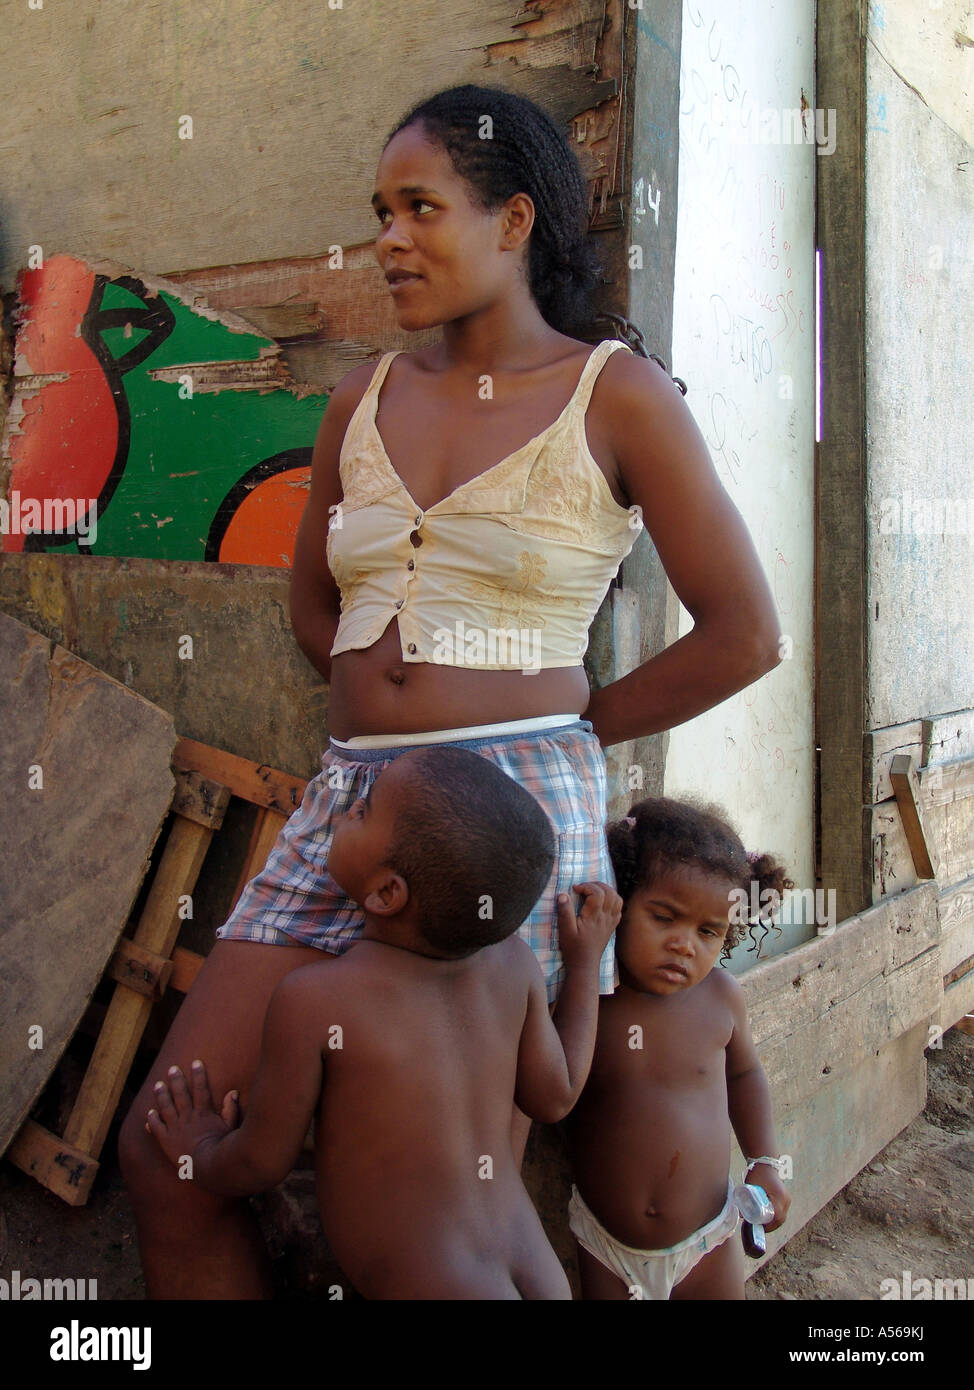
column 675, row 1067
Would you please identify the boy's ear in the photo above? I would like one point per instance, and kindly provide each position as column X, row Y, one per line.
column 388, row 895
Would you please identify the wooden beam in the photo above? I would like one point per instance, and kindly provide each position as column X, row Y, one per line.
column 62, row 1168
column 907, row 792
column 255, row 782
column 140, row 970
column 841, row 588
column 128, row 1013
column 199, row 799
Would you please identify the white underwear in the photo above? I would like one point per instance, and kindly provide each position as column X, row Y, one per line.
column 510, row 726
column 650, row 1273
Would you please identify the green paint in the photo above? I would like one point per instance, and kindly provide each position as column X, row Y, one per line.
column 216, row 437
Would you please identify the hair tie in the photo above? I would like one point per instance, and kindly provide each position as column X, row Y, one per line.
column 630, row 821
column 754, row 856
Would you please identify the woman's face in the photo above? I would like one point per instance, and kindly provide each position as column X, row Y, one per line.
column 446, row 256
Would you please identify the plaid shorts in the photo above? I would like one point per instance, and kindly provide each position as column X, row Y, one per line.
column 294, row 898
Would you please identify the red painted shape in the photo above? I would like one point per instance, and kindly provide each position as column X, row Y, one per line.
column 69, row 433
column 264, row 527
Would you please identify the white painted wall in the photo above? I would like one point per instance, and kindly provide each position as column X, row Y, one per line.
column 744, row 340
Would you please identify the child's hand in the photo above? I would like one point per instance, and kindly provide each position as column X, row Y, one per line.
column 585, row 937
column 778, row 1194
column 184, row 1120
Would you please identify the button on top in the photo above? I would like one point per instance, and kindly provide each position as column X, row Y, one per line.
column 419, row 520
column 411, row 647
column 400, row 603
column 411, row 565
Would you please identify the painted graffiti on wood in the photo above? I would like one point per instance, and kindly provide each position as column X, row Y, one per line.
column 145, row 423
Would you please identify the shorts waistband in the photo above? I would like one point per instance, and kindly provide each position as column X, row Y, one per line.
column 375, row 747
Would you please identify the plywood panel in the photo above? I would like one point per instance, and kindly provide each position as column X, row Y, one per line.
column 290, row 105
column 86, row 786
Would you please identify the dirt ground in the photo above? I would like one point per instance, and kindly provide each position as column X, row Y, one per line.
column 911, row 1209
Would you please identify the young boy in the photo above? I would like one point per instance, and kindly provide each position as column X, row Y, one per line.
column 414, row 1044
column 675, row 1067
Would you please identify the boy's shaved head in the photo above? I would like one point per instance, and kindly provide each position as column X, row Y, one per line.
column 474, row 847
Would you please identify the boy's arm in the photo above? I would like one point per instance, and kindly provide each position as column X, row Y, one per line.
column 749, row 1102
column 555, row 1051
column 260, row 1154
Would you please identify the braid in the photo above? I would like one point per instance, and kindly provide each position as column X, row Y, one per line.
column 526, row 153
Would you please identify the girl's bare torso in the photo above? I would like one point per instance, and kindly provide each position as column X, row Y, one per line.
column 650, row 1137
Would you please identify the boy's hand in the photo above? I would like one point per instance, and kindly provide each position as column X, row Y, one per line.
column 583, row 938
column 186, row 1118
column 778, row 1195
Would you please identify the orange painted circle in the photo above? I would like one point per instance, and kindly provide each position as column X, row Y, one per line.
column 263, row 529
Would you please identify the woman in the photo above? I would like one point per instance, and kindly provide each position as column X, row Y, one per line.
column 469, row 564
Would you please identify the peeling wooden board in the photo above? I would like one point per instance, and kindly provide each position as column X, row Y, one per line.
column 76, row 844
column 282, row 321
column 351, row 297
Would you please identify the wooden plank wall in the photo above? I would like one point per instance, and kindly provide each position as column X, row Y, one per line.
column 942, row 750
column 841, row 1024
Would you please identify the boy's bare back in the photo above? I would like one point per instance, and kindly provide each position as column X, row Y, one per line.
column 417, row 1183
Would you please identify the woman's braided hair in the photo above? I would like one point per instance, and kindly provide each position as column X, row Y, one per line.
column 525, row 153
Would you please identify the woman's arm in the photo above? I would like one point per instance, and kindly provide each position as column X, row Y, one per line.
column 664, row 469
column 315, row 601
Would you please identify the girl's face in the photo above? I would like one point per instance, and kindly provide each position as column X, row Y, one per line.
column 673, row 930
column 443, row 256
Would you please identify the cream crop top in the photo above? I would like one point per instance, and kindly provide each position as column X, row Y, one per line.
column 513, row 564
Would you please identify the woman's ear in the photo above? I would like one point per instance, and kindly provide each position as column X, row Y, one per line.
column 518, row 221
column 389, row 895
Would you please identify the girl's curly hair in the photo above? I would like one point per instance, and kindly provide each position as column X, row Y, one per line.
column 660, row 833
